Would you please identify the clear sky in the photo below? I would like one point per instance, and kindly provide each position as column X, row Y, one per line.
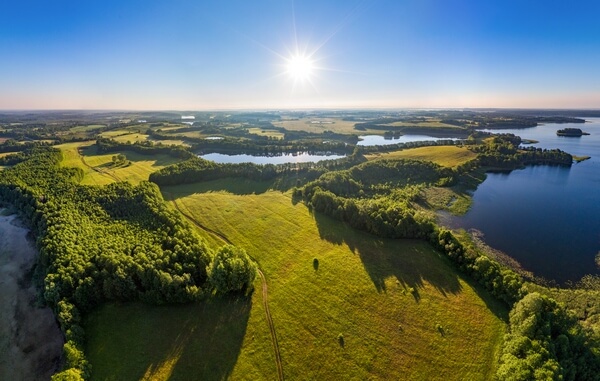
column 217, row 54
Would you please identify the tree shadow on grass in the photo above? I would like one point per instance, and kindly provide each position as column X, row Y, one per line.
column 411, row 262
column 200, row 341
column 236, row 186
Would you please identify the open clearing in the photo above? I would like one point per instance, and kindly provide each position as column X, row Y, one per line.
column 262, row 132
column 367, row 308
column 98, row 168
column 448, row 156
column 318, row 125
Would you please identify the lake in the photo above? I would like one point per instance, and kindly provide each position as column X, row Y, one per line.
column 546, row 217
column 378, row 140
column 300, row 157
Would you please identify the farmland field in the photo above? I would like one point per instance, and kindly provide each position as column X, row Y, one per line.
column 448, row 156
column 367, row 308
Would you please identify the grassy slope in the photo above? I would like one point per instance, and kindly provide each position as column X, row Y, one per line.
column 449, row 156
column 361, row 289
column 102, row 171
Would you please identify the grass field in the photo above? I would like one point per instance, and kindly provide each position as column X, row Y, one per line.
column 270, row 133
column 400, row 308
column 135, row 137
column 98, row 169
column 306, row 124
column 448, row 156
column 86, row 128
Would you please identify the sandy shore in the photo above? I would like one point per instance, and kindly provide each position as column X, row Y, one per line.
column 30, row 339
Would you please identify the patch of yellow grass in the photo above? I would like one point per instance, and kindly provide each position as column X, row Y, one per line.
column 448, row 156
column 98, row 168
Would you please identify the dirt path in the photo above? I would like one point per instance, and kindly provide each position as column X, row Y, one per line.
column 105, row 173
column 271, row 325
column 263, row 280
column 30, row 339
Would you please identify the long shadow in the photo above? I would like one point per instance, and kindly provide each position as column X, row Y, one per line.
column 200, row 341
column 411, row 262
column 237, row 186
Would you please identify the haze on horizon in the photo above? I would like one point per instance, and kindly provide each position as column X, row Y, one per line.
column 299, row 54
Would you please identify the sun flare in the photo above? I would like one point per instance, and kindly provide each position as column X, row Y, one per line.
column 300, row 67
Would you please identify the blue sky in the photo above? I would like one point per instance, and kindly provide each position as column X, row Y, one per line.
column 233, row 54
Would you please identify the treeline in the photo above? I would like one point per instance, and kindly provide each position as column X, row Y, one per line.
column 269, row 146
column 12, row 145
column 197, row 169
column 119, row 242
column 408, row 145
column 106, row 145
column 376, row 196
column 503, row 151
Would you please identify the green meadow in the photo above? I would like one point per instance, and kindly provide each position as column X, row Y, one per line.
column 99, row 169
column 447, row 156
column 344, row 304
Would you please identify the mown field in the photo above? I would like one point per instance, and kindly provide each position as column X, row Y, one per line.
column 345, row 305
column 98, row 168
column 448, row 156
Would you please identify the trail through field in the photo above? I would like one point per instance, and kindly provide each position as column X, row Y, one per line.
column 30, row 339
column 263, row 283
column 105, row 173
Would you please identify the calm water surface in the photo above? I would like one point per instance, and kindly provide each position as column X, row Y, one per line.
column 547, row 218
column 300, row 157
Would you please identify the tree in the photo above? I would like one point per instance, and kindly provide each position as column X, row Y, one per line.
column 231, row 270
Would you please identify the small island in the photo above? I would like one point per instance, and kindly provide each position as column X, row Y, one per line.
column 571, row 132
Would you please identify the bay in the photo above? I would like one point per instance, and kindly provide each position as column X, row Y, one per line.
column 546, row 217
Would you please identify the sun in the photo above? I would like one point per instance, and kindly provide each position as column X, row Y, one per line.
column 300, row 67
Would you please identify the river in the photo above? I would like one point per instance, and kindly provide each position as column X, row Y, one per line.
column 545, row 217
